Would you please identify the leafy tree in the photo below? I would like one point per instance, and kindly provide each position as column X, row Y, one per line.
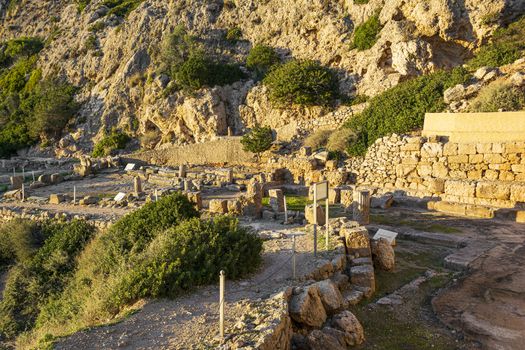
column 261, row 58
column 303, row 83
column 258, row 140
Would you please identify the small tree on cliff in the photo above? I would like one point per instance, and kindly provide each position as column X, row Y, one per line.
column 258, row 140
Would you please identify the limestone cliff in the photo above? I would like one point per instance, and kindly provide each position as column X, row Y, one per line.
column 120, row 83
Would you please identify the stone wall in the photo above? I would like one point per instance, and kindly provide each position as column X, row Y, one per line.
column 222, row 150
column 489, row 174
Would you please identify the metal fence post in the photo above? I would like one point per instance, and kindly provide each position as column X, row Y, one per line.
column 293, row 256
column 315, row 221
column 285, row 212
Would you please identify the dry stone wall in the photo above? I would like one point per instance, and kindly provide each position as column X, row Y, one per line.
column 487, row 174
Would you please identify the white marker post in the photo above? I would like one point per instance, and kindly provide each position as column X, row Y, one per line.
column 327, row 226
column 221, row 304
column 315, row 220
column 33, row 173
column 285, row 212
column 23, row 192
column 23, row 173
column 74, row 195
column 156, row 195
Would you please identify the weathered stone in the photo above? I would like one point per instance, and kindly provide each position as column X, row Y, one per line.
column 330, row 296
column 383, row 202
column 354, row 297
column 234, row 207
column 218, row 206
column 56, row 178
column 276, row 200
column 89, row 200
column 361, row 207
column 56, row 198
column 307, row 307
column 460, row 188
column 493, row 190
column 16, row 182
column 324, row 340
column 309, row 214
column 196, row 198
column 357, row 241
column 350, row 325
column 363, row 275
column 383, row 254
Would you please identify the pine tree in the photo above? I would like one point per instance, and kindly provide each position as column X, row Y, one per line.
column 258, row 140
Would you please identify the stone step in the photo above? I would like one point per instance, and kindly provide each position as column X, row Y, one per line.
column 442, row 239
column 463, row 258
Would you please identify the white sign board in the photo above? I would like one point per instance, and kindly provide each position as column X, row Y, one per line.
column 120, row 196
column 390, row 236
column 321, row 190
column 130, row 166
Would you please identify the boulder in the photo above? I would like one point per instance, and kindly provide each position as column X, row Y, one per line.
column 330, row 296
column 56, row 178
column 326, row 340
column 88, row 200
column 350, row 325
column 357, row 241
column 455, row 93
column 363, row 275
column 307, row 307
column 383, row 255
column 57, row 198
column 309, row 214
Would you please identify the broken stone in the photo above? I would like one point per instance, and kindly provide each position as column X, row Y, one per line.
column 88, row 200
column 357, row 241
column 383, row 254
column 309, row 214
column 363, row 275
column 56, row 178
column 276, row 200
column 354, row 297
column 218, row 206
column 307, row 307
column 330, row 296
column 383, row 202
column 325, row 340
column 57, row 198
column 350, row 325
column 16, row 182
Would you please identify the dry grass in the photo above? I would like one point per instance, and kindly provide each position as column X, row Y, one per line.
column 318, row 139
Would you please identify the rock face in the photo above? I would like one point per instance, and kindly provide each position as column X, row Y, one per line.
column 383, row 255
column 120, row 83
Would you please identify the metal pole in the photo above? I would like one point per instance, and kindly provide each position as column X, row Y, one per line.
column 14, row 171
column 23, row 173
column 74, row 195
column 23, row 192
column 326, row 224
column 293, row 256
column 315, row 220
column 33, row 173
column 221, row 304
column 285, row 212
column 156, row 195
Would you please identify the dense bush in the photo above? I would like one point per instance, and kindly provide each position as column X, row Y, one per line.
column 317, row 139
column 506, row 47
column 199, row 71
column 15, row 49
column 365, row 35
column 121, row 8
column 114, row 141
column 189, row 255
column 32, row 282
column 18, row 241
column 261, row 58
column 499, row 96
column 402, row 108
column 258, row 139
column 302, row 83
column 186, row 62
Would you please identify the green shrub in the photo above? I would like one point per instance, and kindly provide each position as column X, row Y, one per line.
column 199, row 71
column 258, row 140
column 114, row 141
column 338, row 141
column 91, row 42
column 317, row 139
column 261, row 58
column 23, row 47
column 402, row 108
column 81, row 4
column 233, row 34
column 506, row 47
column 18, row 241
column 361, row 2
column 176, row 47
column 365, row 35
column 303, row 83
column 31, row 283
column 189, row 255
column 499, row 96
column 53, row 105
column 121, row 8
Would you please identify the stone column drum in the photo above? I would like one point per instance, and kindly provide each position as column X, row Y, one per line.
column 361, row 208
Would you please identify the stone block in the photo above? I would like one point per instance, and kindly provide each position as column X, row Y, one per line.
column 450, row 149
column 45, row 178
column 347, row 196
column 435, row 185
column 466, row 149
column 430, row 150
column 57, row 198
column 474, row 174
column 518, row 168
column 478, row 211
column 491, row 174
column 56, row 178
column 331, row 165
column 234, row 207
column 196, row 198
column 520, row 216
column 309, row 214
column 517, row 192
column 450, row 208
column 357, row 241
column 276, row 200
column 307, row 307
column 16, row 182
column 493, row 158
column 363, row 276
column 460, row 188
column 89, row 200
column 439, row 170
column 493, row 190
column 334, row 195
column 218, row 206
column 506, row 176
column 463, row 158
column 484, row 148
column 411, row 147
column 475, row 158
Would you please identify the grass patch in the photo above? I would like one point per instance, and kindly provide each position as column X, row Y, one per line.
column 293, row 202
column 425, row 225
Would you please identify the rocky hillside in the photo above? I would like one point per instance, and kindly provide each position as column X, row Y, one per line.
column 112, row 51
